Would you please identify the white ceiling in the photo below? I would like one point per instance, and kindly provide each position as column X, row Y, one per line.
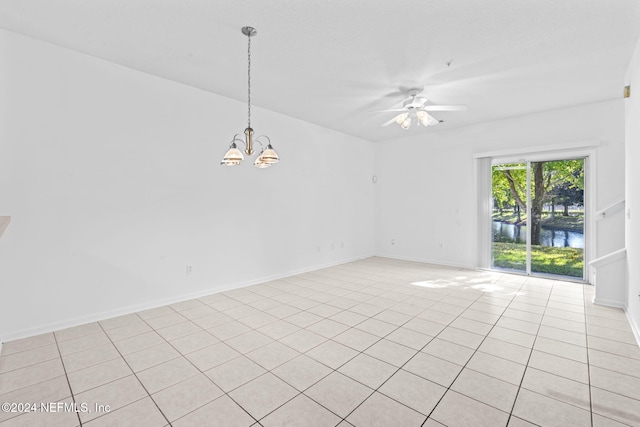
column 332, row 62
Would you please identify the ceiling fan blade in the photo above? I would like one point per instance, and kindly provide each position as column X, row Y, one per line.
column 389, row 122
column 444, row 108
column 388, row 111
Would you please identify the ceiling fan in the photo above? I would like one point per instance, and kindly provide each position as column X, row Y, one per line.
column 417, row 108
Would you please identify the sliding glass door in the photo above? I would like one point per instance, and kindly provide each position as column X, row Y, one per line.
column 538, row 217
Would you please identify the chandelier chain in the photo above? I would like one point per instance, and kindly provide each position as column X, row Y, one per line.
column 249, row 80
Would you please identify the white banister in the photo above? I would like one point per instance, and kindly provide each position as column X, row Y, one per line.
column 602, row 214
column 609, row 258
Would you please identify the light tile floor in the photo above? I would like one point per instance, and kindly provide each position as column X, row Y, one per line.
column 376, row 342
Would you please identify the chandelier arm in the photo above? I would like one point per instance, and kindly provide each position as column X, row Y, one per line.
column 257, row 138
column 259, row 142
column 237, row 139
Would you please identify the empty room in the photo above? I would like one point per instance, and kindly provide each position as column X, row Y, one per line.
column 295, row 213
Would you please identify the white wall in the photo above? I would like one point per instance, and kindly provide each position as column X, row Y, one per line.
column 426, row 193
column 113, row 183
column 112, row 180
column 632, row 146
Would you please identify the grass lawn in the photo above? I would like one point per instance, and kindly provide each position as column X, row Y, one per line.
column 544, row 259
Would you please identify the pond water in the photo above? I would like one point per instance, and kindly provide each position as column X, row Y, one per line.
column 512, row 233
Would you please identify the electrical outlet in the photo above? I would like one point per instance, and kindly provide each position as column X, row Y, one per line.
column 189, row 269
column 393, row 241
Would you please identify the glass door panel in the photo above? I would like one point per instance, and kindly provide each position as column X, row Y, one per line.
column 557, row 217
column 509, row 216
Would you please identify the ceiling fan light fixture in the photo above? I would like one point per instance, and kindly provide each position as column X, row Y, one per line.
column 426, row 119
column 418, row 108
column 401, row 118
column 406, row 124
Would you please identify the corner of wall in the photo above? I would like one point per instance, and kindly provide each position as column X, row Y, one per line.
column 632, row 192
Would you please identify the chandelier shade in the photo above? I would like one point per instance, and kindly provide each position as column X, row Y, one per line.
column 233, row 156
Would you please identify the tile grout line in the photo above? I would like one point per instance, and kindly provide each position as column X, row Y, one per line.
column 198, row 369
column 31, row 364
column 526, row 367
column 301, row 353
column 417, row 352
column 332, row 370
column 242, row 355
column 483, row 294
column 132, row 371
column 269, row 370
column 382, row 285
column 150, row 367
column 358, row 351
column 66, row 376
column 589, row 371
column 586, row 343
column 470, row 357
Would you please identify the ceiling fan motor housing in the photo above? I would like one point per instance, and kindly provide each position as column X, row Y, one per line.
column 415, row 102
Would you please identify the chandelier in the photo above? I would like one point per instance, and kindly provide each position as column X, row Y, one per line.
column 234, row 156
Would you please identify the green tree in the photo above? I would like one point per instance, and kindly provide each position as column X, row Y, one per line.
column 502, row 197
column 509, row 187
column 570, row 191
column 545, row 176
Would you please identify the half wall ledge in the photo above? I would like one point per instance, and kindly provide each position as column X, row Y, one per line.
column 611, row 279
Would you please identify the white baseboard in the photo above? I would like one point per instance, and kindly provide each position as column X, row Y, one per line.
column 427, row 261
column 81, row 320
column 609, row 303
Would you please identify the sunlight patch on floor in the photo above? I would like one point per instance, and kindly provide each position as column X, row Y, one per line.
column 435, row 284
column 487, row 287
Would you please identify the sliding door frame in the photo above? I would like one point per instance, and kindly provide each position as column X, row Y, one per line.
column 484, row 163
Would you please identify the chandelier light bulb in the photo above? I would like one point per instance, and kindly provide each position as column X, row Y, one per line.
column 269, row 155
column 423, row 118
column 260, row 163
column 406, row 124
column 426, row 119
column 401, row 118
